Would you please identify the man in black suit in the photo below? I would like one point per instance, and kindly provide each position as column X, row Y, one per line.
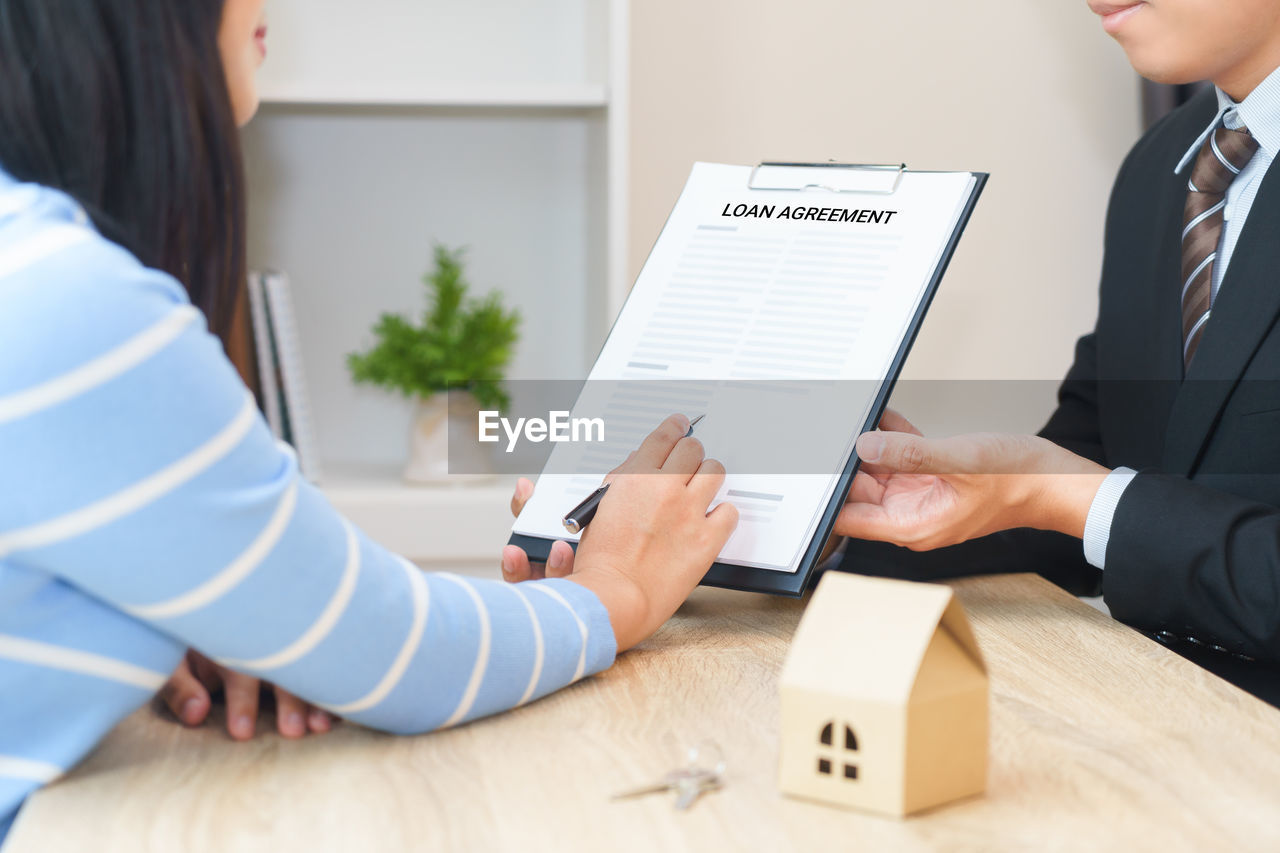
column 1179, row 382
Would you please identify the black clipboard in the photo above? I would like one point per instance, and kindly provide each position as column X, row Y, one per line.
column 793, row 584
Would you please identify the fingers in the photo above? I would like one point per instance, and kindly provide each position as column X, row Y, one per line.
column 191, row 687
column 879, row 473
column 319, row 721
column 655, row 449
column 242, row 704
column 185, row 696
column 899, row 451
column 516, row 566
column 628, row 464
column 706, row 483
column 865, row 489
column 685, row 458
column 560, row 560
column 724, row 520
column 881, row 467
column 291, row 714
column 209, row 673
column 524, row 491
column 892, row 421
column 294, row 717
column 866, row 521
column 862, row 506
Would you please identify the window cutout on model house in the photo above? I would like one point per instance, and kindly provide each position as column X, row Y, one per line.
column 831, row 756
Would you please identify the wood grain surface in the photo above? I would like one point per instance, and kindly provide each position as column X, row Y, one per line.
column 1100, row 740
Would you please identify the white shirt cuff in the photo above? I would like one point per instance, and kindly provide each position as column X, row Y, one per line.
column 1097, row 527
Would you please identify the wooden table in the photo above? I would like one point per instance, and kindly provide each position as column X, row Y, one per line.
column 1100, row 739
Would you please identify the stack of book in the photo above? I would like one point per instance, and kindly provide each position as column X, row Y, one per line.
column 283, row 386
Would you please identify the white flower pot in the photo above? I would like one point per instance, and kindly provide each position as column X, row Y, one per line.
column 429, row 458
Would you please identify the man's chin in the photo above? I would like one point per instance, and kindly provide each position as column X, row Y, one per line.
column 1162, row 72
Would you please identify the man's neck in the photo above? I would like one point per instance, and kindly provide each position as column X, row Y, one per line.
column 1243, row 77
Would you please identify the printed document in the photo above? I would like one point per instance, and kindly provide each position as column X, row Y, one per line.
column 778, row 313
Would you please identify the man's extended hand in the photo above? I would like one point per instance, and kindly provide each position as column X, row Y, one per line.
column 925, row 494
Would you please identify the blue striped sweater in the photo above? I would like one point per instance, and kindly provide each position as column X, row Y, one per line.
column 145, row 507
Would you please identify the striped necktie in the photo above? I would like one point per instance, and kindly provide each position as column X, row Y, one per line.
column 1221, row 158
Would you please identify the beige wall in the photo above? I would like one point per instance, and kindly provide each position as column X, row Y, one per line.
column 1032, row 92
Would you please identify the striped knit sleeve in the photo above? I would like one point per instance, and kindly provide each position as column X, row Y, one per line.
column 137, row 469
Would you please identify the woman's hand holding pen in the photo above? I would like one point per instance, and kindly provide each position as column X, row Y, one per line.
column 924, row 494
column 652, row 539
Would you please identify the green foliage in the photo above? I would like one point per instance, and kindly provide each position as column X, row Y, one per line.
column 462, row 344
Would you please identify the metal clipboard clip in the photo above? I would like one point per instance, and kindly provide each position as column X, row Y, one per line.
column 831, row 176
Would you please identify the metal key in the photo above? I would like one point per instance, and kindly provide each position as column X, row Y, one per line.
column 692, row 788
column 676, row 780
column 689, row 782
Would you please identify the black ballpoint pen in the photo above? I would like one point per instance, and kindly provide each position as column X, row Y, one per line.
column 576, row 520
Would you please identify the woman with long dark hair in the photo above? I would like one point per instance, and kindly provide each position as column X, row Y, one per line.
column 145, row 508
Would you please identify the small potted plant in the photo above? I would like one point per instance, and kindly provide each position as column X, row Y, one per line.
column 452, row 364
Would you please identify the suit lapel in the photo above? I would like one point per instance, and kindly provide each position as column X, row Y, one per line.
column 1164, row 358
column 1142, row 368
column 1245, row 309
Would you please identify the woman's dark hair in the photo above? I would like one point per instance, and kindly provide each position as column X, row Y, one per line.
column 123, row 105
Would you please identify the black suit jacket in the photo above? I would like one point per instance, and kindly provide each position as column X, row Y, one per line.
column 1194, row 553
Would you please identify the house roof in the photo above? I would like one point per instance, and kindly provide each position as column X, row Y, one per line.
column 866, row 637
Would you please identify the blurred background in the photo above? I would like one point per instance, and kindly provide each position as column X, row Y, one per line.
column 552, row 138
column 1034, row 93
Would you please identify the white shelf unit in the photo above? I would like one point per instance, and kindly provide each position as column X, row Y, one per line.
column 387, row 126
column 462, row 527
column 548, row 97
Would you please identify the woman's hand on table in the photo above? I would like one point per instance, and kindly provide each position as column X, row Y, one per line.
column 190, row 690
column 652, row 539
column 924, row 494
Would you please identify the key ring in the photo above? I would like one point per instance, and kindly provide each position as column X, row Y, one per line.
column 712, row 749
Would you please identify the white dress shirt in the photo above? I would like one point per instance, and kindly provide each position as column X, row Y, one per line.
column 1260, row 112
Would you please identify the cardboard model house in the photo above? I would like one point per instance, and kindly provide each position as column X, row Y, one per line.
column 884, row 698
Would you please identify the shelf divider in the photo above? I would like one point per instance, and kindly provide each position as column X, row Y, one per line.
column 549, row 97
